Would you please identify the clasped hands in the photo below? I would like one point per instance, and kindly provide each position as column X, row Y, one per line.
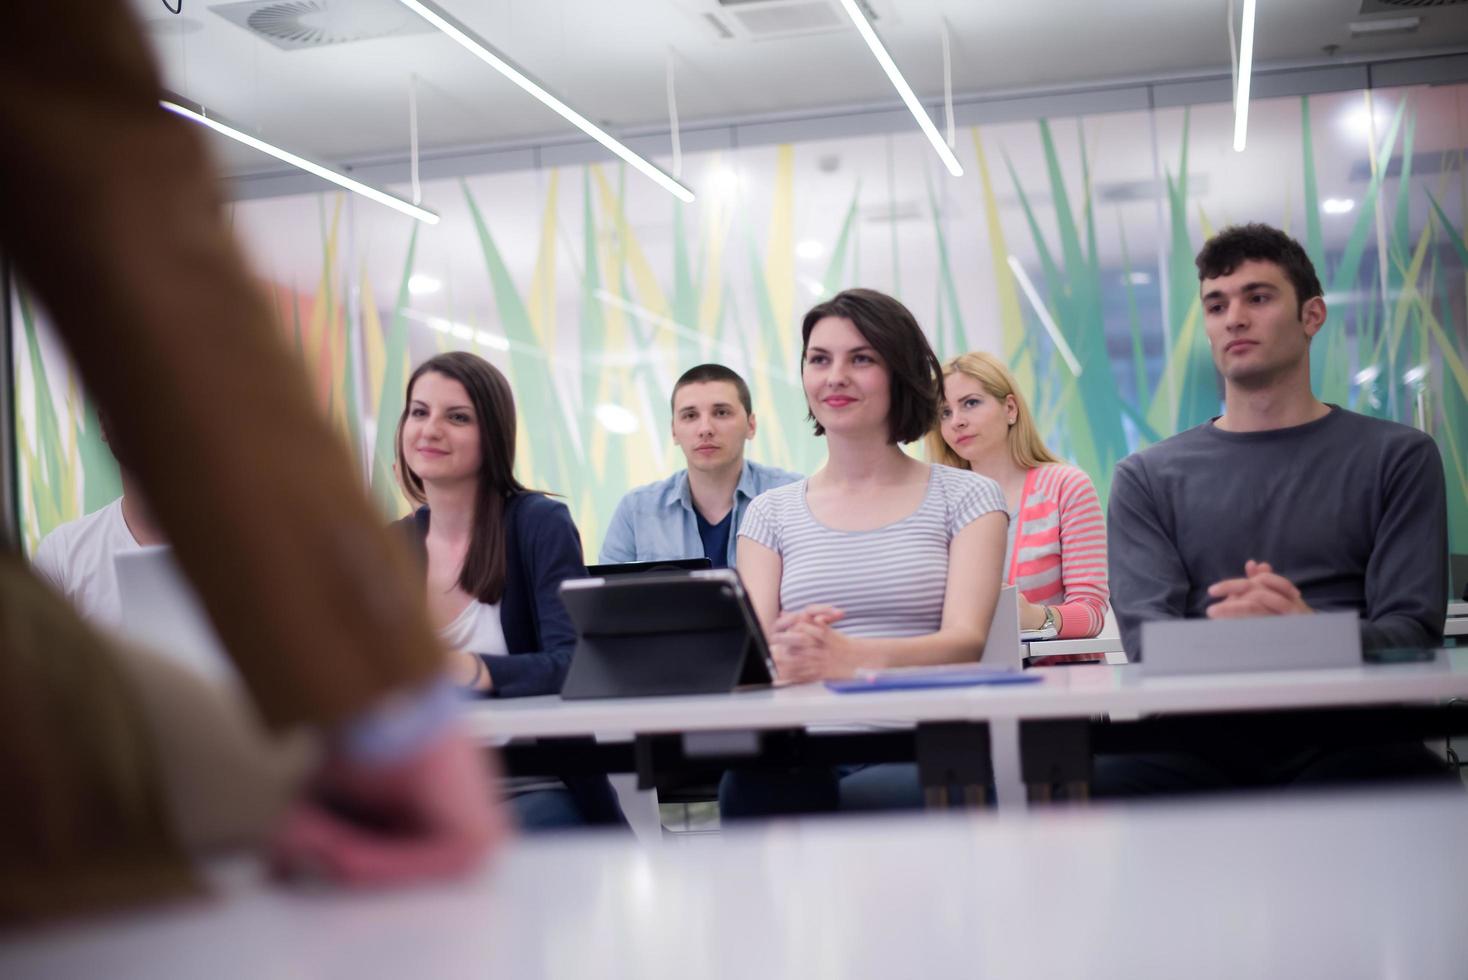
column 1261, row 592
column 806, row 648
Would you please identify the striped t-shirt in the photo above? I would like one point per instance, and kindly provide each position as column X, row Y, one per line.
column 1057, row 552
column 888, row 581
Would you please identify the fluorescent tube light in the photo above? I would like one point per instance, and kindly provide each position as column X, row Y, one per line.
column 1388, row 25
column 300, row 162
column 486, row 53
column 869, row 35
column 1246, row 70
column 1046, row 320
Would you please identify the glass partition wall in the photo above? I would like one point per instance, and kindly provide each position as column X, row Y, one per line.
column 1067, row 246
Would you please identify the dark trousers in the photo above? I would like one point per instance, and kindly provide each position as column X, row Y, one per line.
column 1214, row 765
column 543, row 810
column 582, row 801
column 753, row 793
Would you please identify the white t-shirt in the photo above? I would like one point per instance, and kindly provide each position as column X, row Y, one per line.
column 76, row 558
column 477, row 629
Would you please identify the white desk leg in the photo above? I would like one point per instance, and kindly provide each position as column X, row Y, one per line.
column 1009, row 786
column 640, row 807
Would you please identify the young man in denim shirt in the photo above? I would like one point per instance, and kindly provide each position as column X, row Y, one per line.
column 696, row 511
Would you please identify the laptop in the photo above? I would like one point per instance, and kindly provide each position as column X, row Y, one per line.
column 1458, row 575
column 161, row 612
column 1003, row 647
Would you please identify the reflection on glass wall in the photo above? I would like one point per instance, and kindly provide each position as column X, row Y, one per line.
column 1068, row 246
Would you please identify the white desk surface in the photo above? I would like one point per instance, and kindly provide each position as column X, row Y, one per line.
column 1064, row 692
column 1354, row 886
column 1457, row 609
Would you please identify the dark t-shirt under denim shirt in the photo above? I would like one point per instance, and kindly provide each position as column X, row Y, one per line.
column 715, row 538
column 1349, row 508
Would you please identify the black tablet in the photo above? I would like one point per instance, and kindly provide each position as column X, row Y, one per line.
column 686, row 633
column 643, row 567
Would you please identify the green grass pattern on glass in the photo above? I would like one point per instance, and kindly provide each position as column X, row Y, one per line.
column 1391, row 309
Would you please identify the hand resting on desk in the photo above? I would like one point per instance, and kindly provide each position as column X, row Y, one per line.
column 806, row 648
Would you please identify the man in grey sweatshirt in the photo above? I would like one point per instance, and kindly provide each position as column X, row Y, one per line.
column 1282, row 505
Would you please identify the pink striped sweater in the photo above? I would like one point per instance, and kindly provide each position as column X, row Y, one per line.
column 1059, row 553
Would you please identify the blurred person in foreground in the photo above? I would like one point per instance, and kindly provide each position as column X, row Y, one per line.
column 112, row 216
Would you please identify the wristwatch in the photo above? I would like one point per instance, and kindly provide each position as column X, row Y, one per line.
column 1049, row 623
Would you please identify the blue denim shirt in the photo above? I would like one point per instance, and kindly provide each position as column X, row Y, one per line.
column 657, row 522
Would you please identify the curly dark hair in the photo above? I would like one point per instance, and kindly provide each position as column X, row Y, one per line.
column 1237, row 244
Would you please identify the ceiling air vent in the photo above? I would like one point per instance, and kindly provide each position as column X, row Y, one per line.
column 293, row 25
column 1397, row 6
column 766, row 19
column 763, row 20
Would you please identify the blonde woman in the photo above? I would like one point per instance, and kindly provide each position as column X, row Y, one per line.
column 1056, row 552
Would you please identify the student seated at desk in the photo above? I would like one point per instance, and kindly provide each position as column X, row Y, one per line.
column 696, row 511
column 1056, row 550
column 494, row 555
column 878, row 559
column 195, row 716
column 77, row 557
column 1281, row 506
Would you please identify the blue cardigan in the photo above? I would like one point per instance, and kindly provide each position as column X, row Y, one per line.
column 542, row 550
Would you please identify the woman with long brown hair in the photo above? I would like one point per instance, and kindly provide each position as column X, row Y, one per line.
column 495, row 555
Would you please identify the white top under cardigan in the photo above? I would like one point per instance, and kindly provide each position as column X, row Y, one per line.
column 477, row 629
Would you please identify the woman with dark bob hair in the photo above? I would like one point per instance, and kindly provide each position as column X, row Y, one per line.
column 494, row 556
column 878, row 559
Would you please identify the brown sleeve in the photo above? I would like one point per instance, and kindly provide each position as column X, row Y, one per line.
column 112, row 216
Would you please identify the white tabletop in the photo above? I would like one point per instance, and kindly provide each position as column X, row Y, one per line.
column 1063, row 692
column 1457, row 624
column 1093, row 644
column 1314, row 887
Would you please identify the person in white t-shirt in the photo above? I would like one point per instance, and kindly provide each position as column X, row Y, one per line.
column 77, row 557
